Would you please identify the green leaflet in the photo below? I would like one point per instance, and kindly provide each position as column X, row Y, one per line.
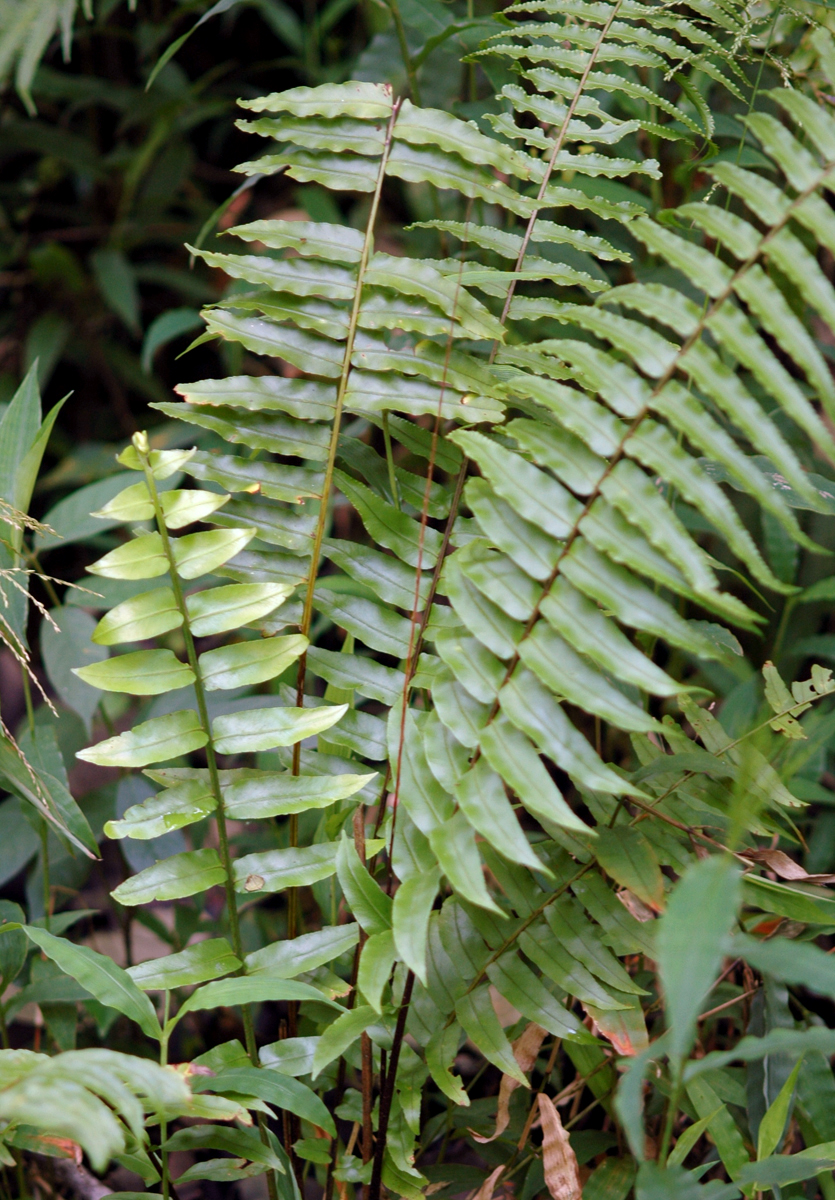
column 143, row 558
column 196, row 964
column 481, row 797
column 173, row 878
column 389, row 527
column 152, row 741
column 251, row 990
column 99, row 975
column 454, row 846
column 412, row 906
column 690, row 943
column 217, row 610
column 529, row 491
column 316, row 238
column 277, row 1089
column 475, row 1012
column 266, row 728
column 340, row 1035
column 369, row 903
column 142, row 673
column 375, row 966
column 274, row 870
column 171, row 809
column 143, row 616
column 245, row 663
column 305, row 953
column 625, row 854
column 252, row 795
column 512, row 755
column 518, row 984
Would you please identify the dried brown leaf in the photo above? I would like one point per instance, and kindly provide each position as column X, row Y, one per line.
column 525, row 1051
column 562, row 1176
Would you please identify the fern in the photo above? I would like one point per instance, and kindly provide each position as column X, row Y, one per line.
column 530, row 593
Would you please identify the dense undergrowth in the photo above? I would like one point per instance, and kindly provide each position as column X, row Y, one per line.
column 416, row 719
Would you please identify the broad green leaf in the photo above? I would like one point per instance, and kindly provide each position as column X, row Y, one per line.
column 544, row 949
column 243, row 1143
column 441, row 1050
column 371, row 622
column 180, row 875
column 413, row 902
column 511, row 754
column 152, row 741
column 141, row 617
column 142, row 558
column 688, row 1139
column 290, row 1056
column 783, row 1169
column 196, row 964
column 368, row 902
column 274, row 870
column 389, row 527
column 217, row 610
column 793, row 962
column 723, row 1129
column 625, row 854
column 340, row 1035
column 525, row 991
column 253, row 795
column 173, row 808
column 142, row 673
column 339, row 243
column 281, row 1090
column 163, row 463
column 116, row 281
column 173, row 323
column 454, row 845
column 481, row 797
column 200, row 553
column 476, row 1013
column 376, row 962
column 266, row 728
column 773, row 1124
column 367, row 101
column 246, row 663
column 534, row 711
column 305, row 953
column 612, row 1179
column 691, row 943
column 258, row 989
column 101, row 977
column 532, row 493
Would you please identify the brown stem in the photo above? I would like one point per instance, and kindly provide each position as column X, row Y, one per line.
column 387, row 1093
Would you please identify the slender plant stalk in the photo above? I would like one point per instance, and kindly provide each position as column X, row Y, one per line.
column 400, row 31
column 319, row 534
column 395, row 492
column 140, row 441
column 388, row 1078
column 163, row 1124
